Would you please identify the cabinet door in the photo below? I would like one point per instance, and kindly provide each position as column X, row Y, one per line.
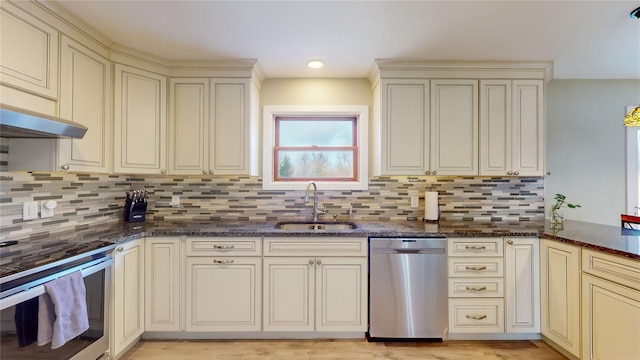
column 85, row 98
column 522, row 285
column 454, row 127
column 128, row 295
column 405, row 127
column 495, row 127
column 162, row 284
column 29, row 56
column 289, row 294
column 223, row 293
column 610, row 320
column 188, row 126
column 341, row 294
column 528, row 128
column 560, row 294
column 140, row 121
column 229, row 131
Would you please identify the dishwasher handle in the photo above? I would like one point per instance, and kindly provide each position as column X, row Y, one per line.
column 404, row 251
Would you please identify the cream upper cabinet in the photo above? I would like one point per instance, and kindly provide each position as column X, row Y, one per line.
column 405, row 126
column 522, row 285
column 85, row 98
column 140, row 136
column 188, row 126
column 610, row 306
column 128, row 296
column 454, row 127
column 511, row 128
column 560, row 294
column 210, row 126
column 29, row 57
column 163, row 271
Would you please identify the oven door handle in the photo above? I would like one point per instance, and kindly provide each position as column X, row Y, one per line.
column 87, row 269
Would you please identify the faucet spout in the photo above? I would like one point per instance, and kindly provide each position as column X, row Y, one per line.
column 316, row 211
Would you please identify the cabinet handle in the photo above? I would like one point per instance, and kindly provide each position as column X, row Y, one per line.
column 476, row 268
column 475, row 247
column 163, row 171
column 510, row 242
column 223, row 247
column 204, row 172
column 65, row 167
column 477, row 317
column 223, row 261
column 319, row 262
column 476, row 288
column 310, row 261
column 120, row 249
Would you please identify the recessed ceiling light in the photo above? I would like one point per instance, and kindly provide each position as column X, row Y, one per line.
column 315, row 64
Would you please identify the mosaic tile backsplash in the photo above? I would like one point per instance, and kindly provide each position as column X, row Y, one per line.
column 85, row 199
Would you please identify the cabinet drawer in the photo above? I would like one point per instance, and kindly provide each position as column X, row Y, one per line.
column 614, row 268
column 483, row 287
column 220, row 246
column 313, row 246
column 476, row 316
column 470, row 247
column 476, row 267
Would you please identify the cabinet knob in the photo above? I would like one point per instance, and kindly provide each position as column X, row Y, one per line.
column 310, row 261
column 510, row 242
column 210, row 172
column 65, row 167
column 120, row 249
column 516, row 173
column 427, row 172
column 548, row 173
column 434, row 172
column 163, row 171
column 509, row 172
column 204, row 172
column 319, row 262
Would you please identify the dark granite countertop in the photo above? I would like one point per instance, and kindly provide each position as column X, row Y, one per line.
column 46, row 248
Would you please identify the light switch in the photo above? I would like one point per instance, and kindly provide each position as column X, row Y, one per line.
column 414, row 202
column 29, row 210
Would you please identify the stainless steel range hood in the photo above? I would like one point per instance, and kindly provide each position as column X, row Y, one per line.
column 21, row 123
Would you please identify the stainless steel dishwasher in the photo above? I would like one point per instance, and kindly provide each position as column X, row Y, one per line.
column 407, row 289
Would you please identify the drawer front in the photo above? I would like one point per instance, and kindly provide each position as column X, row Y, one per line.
column 471, row 247
column 613, row 268
column 470, row 287
column 476, row 267
column 221, row 246
column 476, row 316
column 328, row 246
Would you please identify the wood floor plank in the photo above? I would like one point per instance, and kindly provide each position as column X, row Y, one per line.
column 358, row 349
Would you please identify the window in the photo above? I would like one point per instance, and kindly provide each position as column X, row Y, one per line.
column 325, row 144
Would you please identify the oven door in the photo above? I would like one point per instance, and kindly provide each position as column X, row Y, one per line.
column 90, row 345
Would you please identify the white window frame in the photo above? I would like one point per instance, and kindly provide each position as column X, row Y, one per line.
column 269, row 114
column 632, row 168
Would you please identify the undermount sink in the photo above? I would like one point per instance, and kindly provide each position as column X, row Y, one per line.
column 316, row 226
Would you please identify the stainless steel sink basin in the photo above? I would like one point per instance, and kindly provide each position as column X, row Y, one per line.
column 316, row 226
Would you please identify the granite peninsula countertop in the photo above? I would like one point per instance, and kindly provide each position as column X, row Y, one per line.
column 44, row 248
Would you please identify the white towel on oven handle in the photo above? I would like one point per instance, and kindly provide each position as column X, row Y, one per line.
column 62, row 311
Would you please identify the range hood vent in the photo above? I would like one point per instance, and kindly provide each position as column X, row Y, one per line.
column 20, row 123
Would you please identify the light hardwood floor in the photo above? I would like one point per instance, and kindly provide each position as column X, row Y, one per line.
column 339, row 350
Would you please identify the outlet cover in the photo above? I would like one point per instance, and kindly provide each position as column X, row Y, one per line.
column 414, row 202
column 29, row 210
column 45, row 212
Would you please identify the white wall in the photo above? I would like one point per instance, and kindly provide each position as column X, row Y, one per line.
column 586, row 146
column 316, row 92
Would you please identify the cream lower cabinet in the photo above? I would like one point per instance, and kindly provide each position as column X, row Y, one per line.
column 610, row 307
column 128, row 296
column 162, row 285
column 324, row 290
column 560, row 294
column 223, row 284
column 494, row 285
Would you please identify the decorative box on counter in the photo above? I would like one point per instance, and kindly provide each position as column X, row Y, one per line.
column 135, row 206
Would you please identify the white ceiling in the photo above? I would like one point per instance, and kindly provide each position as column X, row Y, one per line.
column 584, row 39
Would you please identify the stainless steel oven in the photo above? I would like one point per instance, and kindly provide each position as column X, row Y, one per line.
column 20, row 290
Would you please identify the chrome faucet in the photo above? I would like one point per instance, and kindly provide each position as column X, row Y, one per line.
column 316, row 211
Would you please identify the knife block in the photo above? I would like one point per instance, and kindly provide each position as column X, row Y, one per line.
column 134, row 212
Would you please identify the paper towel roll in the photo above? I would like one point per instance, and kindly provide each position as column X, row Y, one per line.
column 431, row 205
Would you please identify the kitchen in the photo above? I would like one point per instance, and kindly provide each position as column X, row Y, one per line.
column 89, row 198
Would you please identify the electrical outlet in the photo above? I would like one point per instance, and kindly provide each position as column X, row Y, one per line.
column 175, row 201
column 29, row 210
column 414, row 202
